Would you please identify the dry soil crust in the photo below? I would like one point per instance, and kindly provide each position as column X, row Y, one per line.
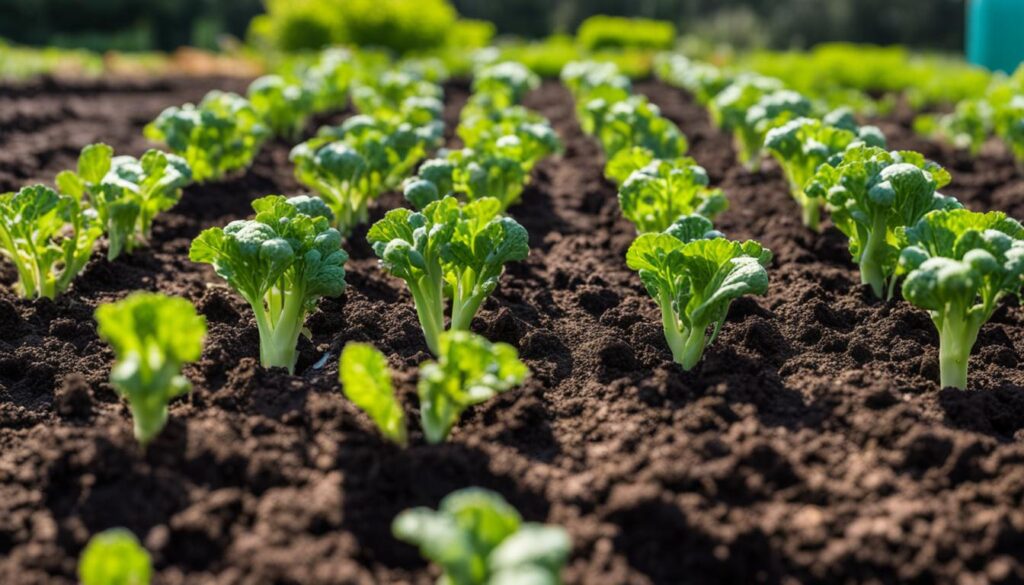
column 811, row 445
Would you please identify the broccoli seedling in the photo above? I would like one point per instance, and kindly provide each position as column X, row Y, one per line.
column 114, row 557
column 703, row 80
column 966, row 127
column 803, row 145
column 48, row 237
column 660, row 193
column 329, row 79
column 220, row 135
column 281, row 262
column 729, row 110
column 1009, row 126
column 385, row 98
column 448, row 250
column 958, row 265
column 771, row 111
column 637, row 122
column 366, row 381
column 694, row 274
column 477, row 538
column 351, row 165
column 469, row 370
column 284, row 107
column 471, row 174
column 153, row 336
column 525, row 137
column 870, row 194
column 126, row 194
column 501, row 85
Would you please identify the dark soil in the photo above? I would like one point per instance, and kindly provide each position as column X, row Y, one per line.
column 811, row 445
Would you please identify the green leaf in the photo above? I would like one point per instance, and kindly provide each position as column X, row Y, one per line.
column 114, row 557
column 94, row 162
column 476, row 537
column 469, row 370
column 366, row 381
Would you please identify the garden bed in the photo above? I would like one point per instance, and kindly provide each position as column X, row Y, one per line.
column 812, row 443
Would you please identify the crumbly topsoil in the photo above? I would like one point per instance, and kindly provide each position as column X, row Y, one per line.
column 811, row 445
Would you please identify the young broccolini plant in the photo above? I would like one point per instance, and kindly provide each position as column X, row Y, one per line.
column 958, row 265
column 637, row 122
column 803, row 145
column 153, row 336
column 222, row 134
column 448, row 250
column 366, row 381
column 284, row 107
column 966, row 127
column 1009, row 126
column 871, row 194
column 694, row 274
column 626, row 162
column 386, row 97
column 472, row 174
column 114, row 557
column 125, row 193
column 330, row 78
column 729, row 111
column 351, row 165
column 281, row 262
column 48, row 237
column 501, row 85
column 516, row 132
column 654, row 197
column 469, row 370
column 477, row 538
column 771, row 111
column 703, row 80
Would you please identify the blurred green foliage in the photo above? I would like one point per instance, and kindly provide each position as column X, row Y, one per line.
column 412, row 24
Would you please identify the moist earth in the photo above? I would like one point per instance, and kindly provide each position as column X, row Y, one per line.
column 811, row 445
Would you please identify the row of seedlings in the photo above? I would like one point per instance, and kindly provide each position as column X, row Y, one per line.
column 288, row 256
column 954, row 263
column 690, row 269
column 452, row 249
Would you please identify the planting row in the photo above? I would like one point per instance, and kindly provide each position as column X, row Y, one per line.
column 954, row 263
column 289, row 255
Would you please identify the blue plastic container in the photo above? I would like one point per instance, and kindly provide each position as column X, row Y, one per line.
column 995, row 33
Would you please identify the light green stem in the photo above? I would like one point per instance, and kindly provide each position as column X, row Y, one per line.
column 871, row 258
column 430, row 310
column 694, row 348
column 957, row 336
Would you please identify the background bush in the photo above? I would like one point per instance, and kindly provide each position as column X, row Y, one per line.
column 404, row 24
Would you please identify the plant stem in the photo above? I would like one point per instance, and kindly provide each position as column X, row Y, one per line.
column 694, row 348
column 430, row 310
column 810, row 211
column 871, row 258
column 956, row 339
column 674, row 334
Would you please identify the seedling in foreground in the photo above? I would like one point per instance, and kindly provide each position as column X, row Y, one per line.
column 871, row 194
column 366, row 381
column 153, row 336
column 448, row 250
column 959, row 264
column 114, row 557
column 694, row 274
column 48, row 237
column 477, row 538
column 281, row 262
column 469, row 370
